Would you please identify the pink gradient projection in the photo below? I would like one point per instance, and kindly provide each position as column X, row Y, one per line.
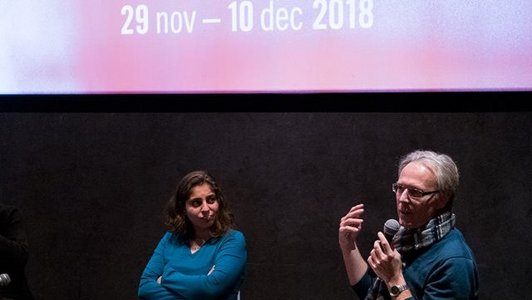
column 385, row 45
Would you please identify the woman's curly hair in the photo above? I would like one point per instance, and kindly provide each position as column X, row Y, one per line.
column 176, row 218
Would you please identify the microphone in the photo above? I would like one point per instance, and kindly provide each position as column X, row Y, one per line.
column 4, row 279
column 390, row 229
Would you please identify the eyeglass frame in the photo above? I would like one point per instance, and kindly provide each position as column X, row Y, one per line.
column 396, row 187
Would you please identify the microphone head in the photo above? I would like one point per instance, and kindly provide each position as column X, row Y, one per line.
column 390, row 228
column 4, row 279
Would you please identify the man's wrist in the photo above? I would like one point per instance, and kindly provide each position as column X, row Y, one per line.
column 397, row 289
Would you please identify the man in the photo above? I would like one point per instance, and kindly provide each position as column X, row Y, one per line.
column 428, row 257
column 13, row 255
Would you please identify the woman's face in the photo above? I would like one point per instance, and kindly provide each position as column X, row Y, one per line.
column 201, row 207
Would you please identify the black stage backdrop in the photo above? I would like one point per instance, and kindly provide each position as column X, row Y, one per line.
column 92, row 186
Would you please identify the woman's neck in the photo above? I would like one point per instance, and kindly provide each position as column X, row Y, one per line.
column 202, row 236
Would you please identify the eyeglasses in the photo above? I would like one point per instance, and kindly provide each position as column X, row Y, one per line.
column 412, row 192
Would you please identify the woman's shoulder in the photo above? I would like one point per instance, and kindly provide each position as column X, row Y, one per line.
column 170, row 237
column 234, row 235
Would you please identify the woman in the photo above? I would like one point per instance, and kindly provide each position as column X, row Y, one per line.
column 202, row 256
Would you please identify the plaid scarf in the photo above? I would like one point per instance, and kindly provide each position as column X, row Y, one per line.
column 406, row 240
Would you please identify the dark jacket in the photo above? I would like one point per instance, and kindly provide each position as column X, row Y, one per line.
column 13, row 254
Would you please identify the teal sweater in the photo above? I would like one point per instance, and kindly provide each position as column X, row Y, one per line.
column 445, row 270
column 215, row 271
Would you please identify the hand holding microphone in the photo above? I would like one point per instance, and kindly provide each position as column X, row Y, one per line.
column 383, row 259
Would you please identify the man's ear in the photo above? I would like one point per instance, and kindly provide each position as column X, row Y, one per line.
column 441, row 200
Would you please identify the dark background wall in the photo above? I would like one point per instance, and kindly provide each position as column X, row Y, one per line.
column 92, row 187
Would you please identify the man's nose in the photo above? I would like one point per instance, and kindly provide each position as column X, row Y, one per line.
column 403, row 197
